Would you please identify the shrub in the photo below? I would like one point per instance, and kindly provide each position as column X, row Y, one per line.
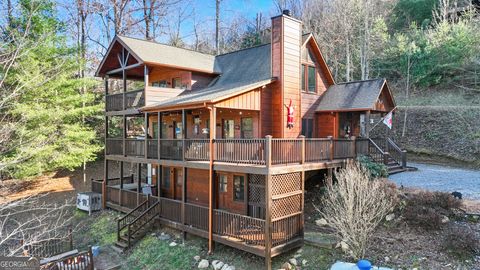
column 424, row 217
column 375, row 169
column 354, row 206
column 461, row 242
column 425, row 209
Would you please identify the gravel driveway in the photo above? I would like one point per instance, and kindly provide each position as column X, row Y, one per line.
column 441, row 178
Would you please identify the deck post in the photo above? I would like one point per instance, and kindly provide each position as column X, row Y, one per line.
column 159, row 129
column 268, row 204
column 354, row 147
column 104, row 184
column 139, row 182
column 211, row 186
column 404, row 159
column 121, row 184
column 124, row 135
column 332, row 154
column 145, row 147
column 105, row 168
column 184, row 132
column 302, row 138
column 184, row 199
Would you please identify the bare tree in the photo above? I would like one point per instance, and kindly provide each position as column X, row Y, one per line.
column 31, row 221
column 355, row 205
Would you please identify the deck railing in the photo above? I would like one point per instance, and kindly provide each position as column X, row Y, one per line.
column 286, row 151
column 249, row 229
column 135, row 147
column 286, row 229
column 196, row 216
column 246, row 151
column 171, row 149
column 253, row 151
column 170, row 209
column 114, row 146
column 197, row 149
column 317, row 150
column 133, row 99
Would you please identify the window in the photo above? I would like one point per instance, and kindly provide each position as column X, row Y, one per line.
column 247, row 128
column 222, row 182
column 162, row 83
column 166, row 177
column 239, row 187
column 307, row 127
column 178, row 132
column 228, row 129
column 312, row 81
column 177, row 83
column 303, row 77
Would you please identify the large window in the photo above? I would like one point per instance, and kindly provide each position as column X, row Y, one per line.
column 222, row 182
column 312, row 81
column 307, row 127
column 239, row 188
column 247, row 128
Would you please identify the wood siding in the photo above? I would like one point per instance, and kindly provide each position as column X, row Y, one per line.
column 246, row 101
column 327, row 125
column 286, row 43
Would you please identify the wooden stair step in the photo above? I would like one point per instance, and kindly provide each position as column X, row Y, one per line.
column 121, row 244
column 118, row 249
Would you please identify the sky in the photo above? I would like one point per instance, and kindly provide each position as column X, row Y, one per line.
column 229, row 8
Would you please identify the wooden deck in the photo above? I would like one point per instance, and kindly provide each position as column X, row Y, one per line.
column 238, row 231
column 240, row 155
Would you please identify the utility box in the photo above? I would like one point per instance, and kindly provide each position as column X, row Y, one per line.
column 89, row 201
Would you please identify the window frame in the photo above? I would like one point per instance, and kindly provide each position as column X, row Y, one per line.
column 222, row 186
column 302, row 75
column 307, row 82
column 242, row 128
column 241, row 191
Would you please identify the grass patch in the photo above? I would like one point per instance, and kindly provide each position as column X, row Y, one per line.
column 151, row 253
column 98, row 229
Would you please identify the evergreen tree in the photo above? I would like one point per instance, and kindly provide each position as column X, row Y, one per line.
column 50, row 107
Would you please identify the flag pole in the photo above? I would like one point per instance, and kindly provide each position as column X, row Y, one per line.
column 381, row 120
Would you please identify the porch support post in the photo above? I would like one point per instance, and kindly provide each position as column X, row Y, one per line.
column 146, row 136
column 159, row 133
column 184, row 199
column 124, row 79
column 121, row 183
column 184, row 132
column 124, row 135
column 139, row 180
column 302, row 184
column 105, row 168
column 211, row 186
column 104, row 184
column 268, row 204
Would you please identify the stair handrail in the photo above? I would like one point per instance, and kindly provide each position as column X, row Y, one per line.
column 383, row 154
column 400, row 151
column 123, row 222
column 131, row 231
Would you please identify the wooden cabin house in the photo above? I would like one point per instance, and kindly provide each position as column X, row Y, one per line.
column 221, row 145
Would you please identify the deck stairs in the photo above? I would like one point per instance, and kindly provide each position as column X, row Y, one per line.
column 136, row 224
column 387, row 152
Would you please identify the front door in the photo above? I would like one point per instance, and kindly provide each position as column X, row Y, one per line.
column 178, row 176
column 228, row 129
